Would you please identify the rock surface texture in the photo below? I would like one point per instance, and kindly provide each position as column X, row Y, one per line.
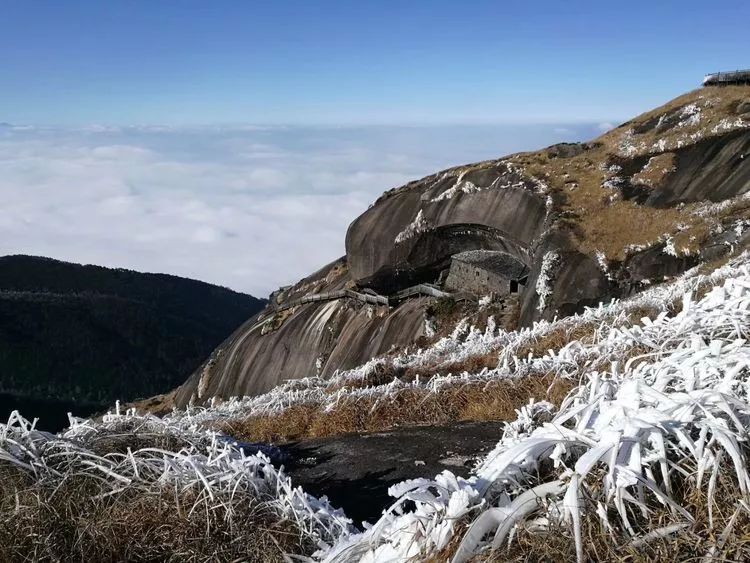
column 642, row 203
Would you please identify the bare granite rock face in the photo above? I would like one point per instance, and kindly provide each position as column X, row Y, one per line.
column 411, row 233
column 312, row 339
column 584, row 222
column 712, row 169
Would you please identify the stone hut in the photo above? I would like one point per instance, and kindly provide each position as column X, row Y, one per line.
column 482, row 272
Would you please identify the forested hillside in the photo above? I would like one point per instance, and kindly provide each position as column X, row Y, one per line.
column 90, row 334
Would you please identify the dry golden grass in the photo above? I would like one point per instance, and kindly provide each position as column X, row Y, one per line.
column 600, row 222
column 492, row 401
column 558, row 337
column 724, row 102
column 689, row 544
column 158, row 405
column 657, row 170
column 66, row 521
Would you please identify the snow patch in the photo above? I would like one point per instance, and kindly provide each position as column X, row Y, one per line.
column 419, row 225
column 601, row 260
column 690, row 116
column 547, row 273
column 465, row 187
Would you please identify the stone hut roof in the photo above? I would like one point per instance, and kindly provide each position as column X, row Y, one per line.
column 495, row 261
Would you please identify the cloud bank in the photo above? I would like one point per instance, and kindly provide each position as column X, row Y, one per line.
column 251, row 208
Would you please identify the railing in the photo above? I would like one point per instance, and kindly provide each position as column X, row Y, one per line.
column 735, row 76
column 372, row 298
column 421, row 289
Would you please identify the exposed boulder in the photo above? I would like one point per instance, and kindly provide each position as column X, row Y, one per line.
column 567, row 150
column 411, row 234
column 583, row 222
column 713, row 169
column 355, row 471
column 654, row 265
column 563, row 282
column 308, row 340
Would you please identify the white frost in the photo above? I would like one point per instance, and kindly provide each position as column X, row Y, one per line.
column 419, row 225
column 465, row 187
column 544, row 283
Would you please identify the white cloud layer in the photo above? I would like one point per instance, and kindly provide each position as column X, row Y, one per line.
column 250, row 208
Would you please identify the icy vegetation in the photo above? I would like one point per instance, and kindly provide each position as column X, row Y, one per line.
column 614, row 451
column 686, row 126
column 662, row 407
column 544, row 283
column 465, row 342
column 128, row 456
column 690, row 116
column 419, row 225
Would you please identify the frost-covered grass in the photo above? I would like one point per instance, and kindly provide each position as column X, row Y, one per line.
column 134, row 488
column 643, row 452
column 562, row 350
column 545, row 281
column 646, row 457
column 635, row 455
column 682, row 122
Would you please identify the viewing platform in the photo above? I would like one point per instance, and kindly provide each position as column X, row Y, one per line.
column 727, row 78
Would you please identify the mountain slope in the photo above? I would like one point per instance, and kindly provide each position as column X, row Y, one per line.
column 89, row 334
column 645, row 459
column 590, row 221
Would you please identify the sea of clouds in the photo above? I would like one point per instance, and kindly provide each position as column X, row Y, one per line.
column 246, row 207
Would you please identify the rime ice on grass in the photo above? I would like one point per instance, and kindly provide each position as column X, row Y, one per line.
column 419, row 225
column 545, row 281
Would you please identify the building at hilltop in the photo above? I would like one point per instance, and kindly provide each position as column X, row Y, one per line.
column 727, row 78
column 482, row 272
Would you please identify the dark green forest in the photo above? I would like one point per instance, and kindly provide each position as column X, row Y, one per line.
column 90, row 334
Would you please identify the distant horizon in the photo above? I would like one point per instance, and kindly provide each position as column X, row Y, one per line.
column 103, row 127
column 250, row 209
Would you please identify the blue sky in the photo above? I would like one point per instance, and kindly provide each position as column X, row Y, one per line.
column 234, row 141
column 334, row 62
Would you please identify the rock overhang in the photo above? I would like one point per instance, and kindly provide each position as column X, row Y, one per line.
column 413, row 233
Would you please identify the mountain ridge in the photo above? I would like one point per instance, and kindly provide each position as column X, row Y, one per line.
column 88, row 335
column 591, row 221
